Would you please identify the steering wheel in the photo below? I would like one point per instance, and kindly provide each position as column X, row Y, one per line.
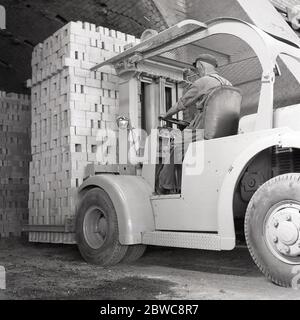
column 180, row 123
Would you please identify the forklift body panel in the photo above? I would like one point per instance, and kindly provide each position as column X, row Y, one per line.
column 130, row 196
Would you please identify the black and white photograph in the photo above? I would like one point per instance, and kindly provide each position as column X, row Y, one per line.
column 149, row 153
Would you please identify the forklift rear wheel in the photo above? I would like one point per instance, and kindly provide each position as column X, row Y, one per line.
column 272, row 229
column 134, row 253
column 97, row 229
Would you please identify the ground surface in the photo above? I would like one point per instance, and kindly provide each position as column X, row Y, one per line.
column 36, row 271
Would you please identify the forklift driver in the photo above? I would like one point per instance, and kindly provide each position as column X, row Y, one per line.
column 191, row 104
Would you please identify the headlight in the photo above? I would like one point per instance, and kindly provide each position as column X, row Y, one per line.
column 123, row 123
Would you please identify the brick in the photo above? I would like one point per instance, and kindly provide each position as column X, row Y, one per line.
column 14, row 163
column 70, row 105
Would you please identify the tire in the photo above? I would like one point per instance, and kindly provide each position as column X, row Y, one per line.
column 97, row 231
column 272, row 225
column 134, row 253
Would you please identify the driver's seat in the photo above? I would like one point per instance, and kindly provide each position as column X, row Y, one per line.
column 221, row 112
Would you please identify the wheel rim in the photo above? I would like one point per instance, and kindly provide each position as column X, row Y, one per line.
column 282, row 231
column 95, row 227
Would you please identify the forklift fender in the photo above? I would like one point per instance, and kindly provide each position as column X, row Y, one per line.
column 286, row 139
column 130, row 196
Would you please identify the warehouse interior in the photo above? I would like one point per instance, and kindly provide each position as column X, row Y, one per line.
column 30, row 24
column 71, row 83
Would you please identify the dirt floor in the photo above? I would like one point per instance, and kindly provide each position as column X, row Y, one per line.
column 36, row 271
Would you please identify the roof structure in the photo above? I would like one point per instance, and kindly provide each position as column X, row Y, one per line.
column 31, row 21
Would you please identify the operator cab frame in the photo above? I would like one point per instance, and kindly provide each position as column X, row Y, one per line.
column 153, row 67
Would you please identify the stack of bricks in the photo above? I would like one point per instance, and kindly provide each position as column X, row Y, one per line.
column 70, row 105
column 14, row 162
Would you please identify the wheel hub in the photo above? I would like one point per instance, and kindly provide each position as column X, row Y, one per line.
column 288, row 233
column 95, row 227
column 282, row 231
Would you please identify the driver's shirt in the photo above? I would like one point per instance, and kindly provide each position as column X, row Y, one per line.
column 191, row 101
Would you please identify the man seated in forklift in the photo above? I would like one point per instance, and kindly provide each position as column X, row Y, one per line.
column 191, row 104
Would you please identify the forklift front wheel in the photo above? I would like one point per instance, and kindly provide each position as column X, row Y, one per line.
column 272, row 229
column 97, row 231
column 134, row 253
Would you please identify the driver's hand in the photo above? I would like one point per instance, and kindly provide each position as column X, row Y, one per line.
column 162, row 117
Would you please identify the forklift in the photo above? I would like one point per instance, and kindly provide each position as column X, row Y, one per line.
column 248, row 167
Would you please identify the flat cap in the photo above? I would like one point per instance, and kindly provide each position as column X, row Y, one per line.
column 208, row 58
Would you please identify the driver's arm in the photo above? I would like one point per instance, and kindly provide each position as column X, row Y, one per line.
column 188, row 99
column 174, row 110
